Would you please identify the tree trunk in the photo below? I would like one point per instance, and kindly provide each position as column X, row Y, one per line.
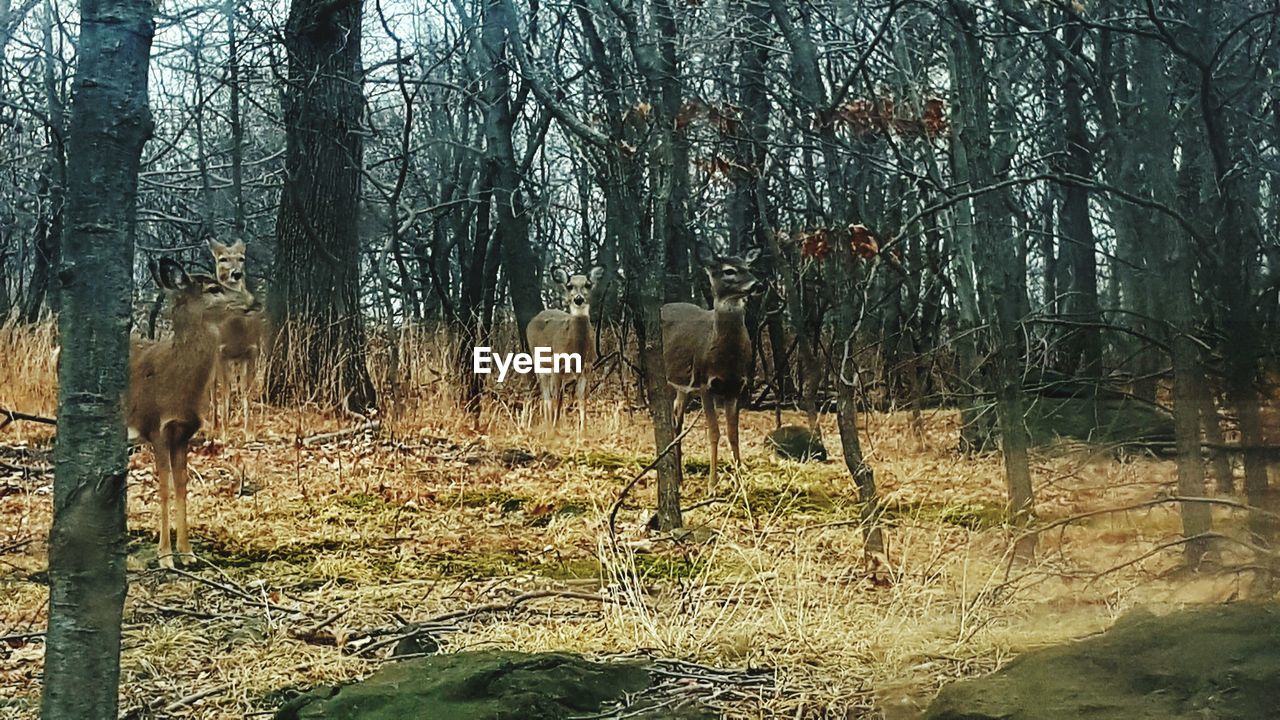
column 110, row 123
column 1082, row 346
column 996, row 255
column 319, row 350
column 512, row 222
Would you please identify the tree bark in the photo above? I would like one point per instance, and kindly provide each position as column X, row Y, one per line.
column 110, row 123
column 512, row 222
column 319, row 350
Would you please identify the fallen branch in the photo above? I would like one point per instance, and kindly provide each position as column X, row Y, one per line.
column 25, row 469
column 617, row 504
column 322, row 437
column 438, row 622
column 13, row 415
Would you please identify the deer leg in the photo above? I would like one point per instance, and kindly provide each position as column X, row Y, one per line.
column 558, row 397
column 582, row 404
column 713, row 434
column 731, row 421
column 545, row 391
column 164, row 551
column 677, row 409
column 180, row 501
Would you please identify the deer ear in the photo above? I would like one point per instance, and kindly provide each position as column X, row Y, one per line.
column 238, row 246
column 560, row 276
column 170, row 275
column 597, row 272
column 751, row 256
column 705, row 257
column 216, row 247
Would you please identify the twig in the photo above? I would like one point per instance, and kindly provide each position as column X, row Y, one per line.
column 25, row 469
column 617, row 504
column 195, row 697
column 12, row 415
column 235, row 591
column 467, row 613
column 322, row 437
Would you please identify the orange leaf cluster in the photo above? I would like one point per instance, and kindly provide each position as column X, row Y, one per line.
column 877, row 117
column 817, row 244
column 725, row 118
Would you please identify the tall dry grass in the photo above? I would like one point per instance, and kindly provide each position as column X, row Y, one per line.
column 29, row 374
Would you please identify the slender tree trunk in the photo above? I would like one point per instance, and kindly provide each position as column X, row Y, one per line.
column 512, row 223
column 43, row 290
column 1082, row 354
column 110, row 123
column 240, row 222
column 1000, row 275
column 319, row 350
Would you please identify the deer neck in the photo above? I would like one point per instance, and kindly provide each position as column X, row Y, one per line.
column 197, row 342
column 579, row 335
column 729, row 319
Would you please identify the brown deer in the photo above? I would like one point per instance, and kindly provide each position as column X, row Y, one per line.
column 709, row 350
column 169, row 383
column 566, row 332
column 241, row 334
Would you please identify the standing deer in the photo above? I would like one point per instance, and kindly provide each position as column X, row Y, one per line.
column 709, row 350
column 566, row 332
column 169, row 383
column 241, row 334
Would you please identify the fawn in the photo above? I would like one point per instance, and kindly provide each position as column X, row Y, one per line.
column 169, row 383
column 709, row 350
column 241, row 335
column 566, row 332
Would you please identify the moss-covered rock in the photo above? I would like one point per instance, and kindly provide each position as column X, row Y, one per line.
column 792, row 442
column 1217, row 662
column 477, row 686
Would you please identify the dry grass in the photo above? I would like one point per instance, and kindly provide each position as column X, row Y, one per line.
column 433, row 516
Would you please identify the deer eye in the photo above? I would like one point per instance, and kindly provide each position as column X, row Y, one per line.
column 730, row 272
column 587, row 286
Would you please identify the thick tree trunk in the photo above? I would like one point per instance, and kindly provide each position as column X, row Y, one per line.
column 110, row 123
column 319, row 350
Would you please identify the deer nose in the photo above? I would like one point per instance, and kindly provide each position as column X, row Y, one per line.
column 579, row 300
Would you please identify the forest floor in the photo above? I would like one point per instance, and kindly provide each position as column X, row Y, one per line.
column 316, row 553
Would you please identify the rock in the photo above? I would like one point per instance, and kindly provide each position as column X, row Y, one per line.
column 792, row 442
column 1215, row 662
column 478, row 686
column 419, row 643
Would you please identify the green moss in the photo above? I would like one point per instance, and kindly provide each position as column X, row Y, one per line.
column 607, row 460
column 223, row 551
column 669, row 567
column 361, row 501
column 506, row 501
column 788, row 500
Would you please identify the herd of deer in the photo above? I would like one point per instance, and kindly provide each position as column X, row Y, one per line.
column 218, row 330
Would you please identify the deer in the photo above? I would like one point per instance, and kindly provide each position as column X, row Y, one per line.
column 566, row 332
column 241, row 335
column 169, row 384
column 709, row 350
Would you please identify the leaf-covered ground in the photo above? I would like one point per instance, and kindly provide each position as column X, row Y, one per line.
column 317, row 557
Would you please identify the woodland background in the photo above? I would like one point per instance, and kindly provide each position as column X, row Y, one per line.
column 979, row 206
